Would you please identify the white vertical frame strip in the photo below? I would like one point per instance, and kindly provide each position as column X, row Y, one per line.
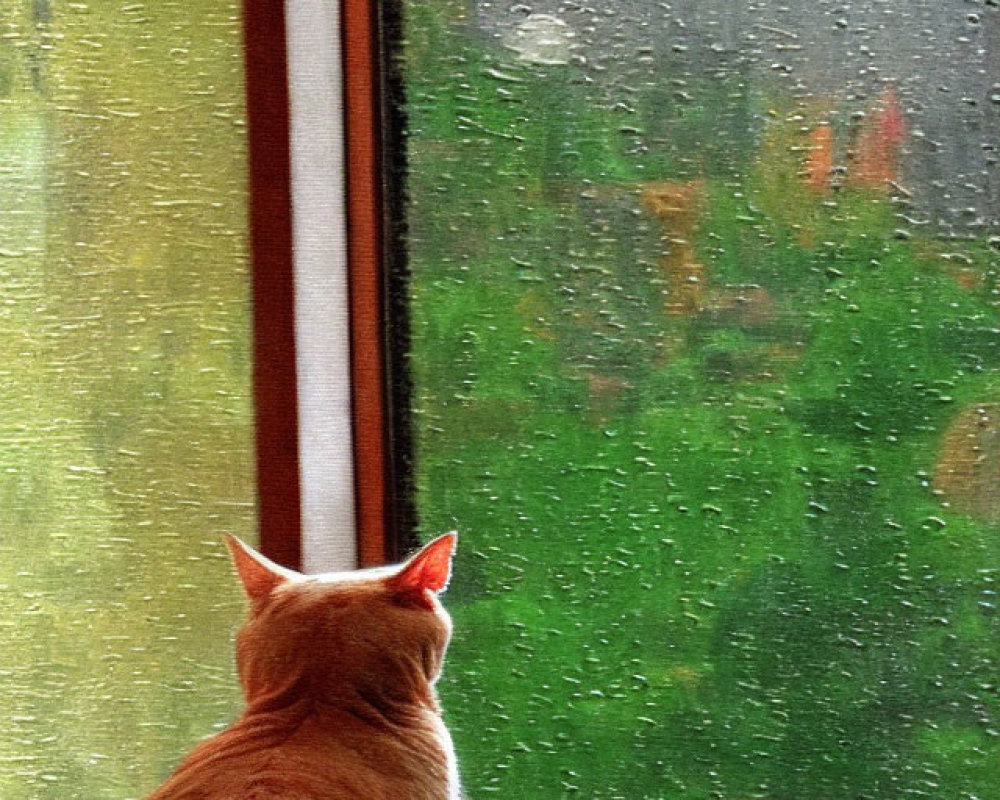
column 322, row 334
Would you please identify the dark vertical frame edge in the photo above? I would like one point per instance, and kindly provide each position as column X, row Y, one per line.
column 275, row 396
column 373, row 135
column 395, row 278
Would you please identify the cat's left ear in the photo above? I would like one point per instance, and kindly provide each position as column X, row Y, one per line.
column 430, row 568
column 260, row 576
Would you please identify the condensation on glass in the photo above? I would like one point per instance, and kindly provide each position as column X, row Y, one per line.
column 125, row 418
column 705, row 352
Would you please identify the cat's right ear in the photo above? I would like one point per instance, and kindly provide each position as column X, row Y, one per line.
column 259, row 575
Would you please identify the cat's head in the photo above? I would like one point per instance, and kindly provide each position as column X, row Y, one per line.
column 380, row 632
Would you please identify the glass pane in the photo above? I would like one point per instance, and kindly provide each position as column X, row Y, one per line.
column 125, row 417
column 705, row 357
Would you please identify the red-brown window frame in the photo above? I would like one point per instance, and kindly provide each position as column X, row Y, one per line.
column 278, row 475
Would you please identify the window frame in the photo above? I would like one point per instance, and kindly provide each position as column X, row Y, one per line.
column 379, row 444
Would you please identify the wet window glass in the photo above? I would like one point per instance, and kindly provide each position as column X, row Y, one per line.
column 125, row 420
column 704, row 316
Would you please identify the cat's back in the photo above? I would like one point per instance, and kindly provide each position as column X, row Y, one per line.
column 230, row 769
column 315, row 760
column 288, row 783
column 265, row 777
column 268, row 785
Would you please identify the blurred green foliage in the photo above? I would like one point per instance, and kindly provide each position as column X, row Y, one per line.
column 702, row 553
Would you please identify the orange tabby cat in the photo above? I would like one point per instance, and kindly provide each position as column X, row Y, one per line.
column 338, row 672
